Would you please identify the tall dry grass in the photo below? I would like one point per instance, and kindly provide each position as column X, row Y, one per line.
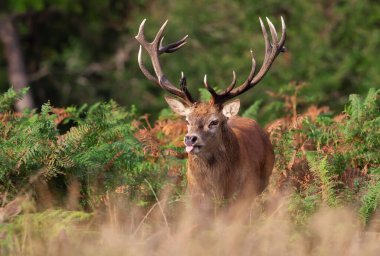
column 174, row 228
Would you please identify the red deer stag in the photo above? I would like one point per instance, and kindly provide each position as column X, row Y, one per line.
column 230, row 157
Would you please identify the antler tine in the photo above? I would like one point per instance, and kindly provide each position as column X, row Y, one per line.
column 143, row 43
column 209, row 88
column 143, row 68
column 275, row 49
column 283, row 36
column 141, row 35
column 154, row 49
column 219, row 98
column 214, row 94
column 253, row 69
column 172, row 47
column 266, row 39
column 233, row 83
column 272, row 50
column 183, row 86
column 158, row 37
column 273, row 32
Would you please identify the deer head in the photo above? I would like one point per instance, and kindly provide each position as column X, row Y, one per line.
column 207, row 121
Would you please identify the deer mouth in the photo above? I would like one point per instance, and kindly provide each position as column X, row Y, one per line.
column 193, row 148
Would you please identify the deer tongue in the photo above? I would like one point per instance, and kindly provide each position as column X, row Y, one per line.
column 189, row 149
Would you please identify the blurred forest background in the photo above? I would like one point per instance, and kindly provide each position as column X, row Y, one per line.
column 75, row 52
column 89, row 173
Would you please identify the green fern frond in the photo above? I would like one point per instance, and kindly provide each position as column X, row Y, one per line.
column 320, row 167
column 8, row 98
column 370, row 201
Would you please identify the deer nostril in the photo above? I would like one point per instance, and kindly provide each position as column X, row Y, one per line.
column 190, row 140
column 187, row 140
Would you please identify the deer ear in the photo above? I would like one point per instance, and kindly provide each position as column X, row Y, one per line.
column 177, row 106
column 231, row 108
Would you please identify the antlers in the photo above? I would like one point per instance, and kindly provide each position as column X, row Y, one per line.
column 155, row 48
column 271, row 52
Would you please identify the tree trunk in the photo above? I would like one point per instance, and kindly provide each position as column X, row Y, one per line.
column 16, row 67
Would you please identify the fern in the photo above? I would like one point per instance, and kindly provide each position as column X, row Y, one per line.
column 320, row 168
column 370, row 201
column 253, row 110
column 303, row 205
column 362, row 128
column 8, row 98
column 100, row 146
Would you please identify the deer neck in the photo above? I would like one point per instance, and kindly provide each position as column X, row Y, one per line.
column 212, row 171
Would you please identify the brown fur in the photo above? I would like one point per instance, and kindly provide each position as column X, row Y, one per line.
column 235, row 163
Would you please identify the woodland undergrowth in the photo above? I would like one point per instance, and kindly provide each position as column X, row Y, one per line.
column 66, row 171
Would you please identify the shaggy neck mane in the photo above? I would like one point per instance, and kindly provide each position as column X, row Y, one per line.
column 213, row 170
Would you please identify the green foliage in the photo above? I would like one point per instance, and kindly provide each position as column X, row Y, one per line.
column 334, row 157
column 166, row 113
column 370, row 201
column 303, row 205
column 99, row 149
column 24, row 5
column 222, row 40
column 8, row 98
column 25, row 144
column 204, row 94
column 320, row 168
column 86, row 51
column 362, row 128
column 253, row 110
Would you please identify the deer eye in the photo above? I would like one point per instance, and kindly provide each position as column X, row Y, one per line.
column 213, row 123
column 187, row 122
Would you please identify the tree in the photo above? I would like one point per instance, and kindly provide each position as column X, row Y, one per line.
column 16, row 66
